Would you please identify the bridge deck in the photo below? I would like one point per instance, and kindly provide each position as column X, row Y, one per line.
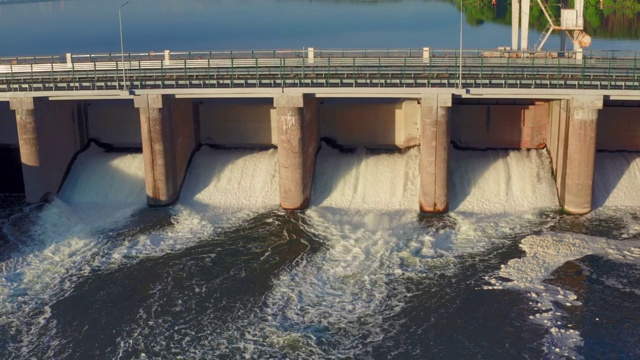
column 323, row 68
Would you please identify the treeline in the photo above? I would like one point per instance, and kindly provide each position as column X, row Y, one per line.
column 618, row 19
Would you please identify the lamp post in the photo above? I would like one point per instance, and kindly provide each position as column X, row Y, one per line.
column 460, row 62
column 124, row 74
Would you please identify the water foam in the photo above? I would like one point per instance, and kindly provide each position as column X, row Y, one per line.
column 223, row 188
column 501, row 181
column 232, row 179
column 104, row 187
column 60, row 240
column 544, row 254
column 342, row 301
column 368, row 181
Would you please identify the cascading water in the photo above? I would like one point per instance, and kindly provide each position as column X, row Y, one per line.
column 343, row 301
column 223, row 188
column 501, row 181
column 58, row 242
column 366, row 181
column 232, row 179
column 359, row 274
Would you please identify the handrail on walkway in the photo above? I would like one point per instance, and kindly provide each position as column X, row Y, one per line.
column 309, row 53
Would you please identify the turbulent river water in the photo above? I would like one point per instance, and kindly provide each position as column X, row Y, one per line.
column 225, row 274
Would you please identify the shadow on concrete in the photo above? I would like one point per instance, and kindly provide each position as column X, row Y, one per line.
column 353, row 122
column 610, row 170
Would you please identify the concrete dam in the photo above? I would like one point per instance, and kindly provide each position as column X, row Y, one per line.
column 42, row 134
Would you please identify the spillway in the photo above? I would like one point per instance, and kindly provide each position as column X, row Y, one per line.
column 58, row 242
column 363, row 180
column 497, row 181
column 501, row 181
column 232, row 179
column 104, row 185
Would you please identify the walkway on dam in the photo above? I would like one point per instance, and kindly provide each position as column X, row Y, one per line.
column 310, row 68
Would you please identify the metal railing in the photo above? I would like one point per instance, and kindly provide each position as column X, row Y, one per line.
column 323, row 68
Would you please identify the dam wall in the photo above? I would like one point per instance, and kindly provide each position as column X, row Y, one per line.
column 372, row 123
column 49, row 133
column 500, row 126
column 8, row 127
column 50, row 130
column 10, row 165
column 238, row 122
column 114, row 122
column 619, row 128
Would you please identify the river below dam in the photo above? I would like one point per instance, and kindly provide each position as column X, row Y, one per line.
column 224, row 273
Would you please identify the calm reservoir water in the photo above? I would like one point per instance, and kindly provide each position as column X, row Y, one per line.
column 225, row 274
column 91, row 26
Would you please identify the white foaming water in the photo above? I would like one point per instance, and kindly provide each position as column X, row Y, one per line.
column 60, row 240
column 501, row 181
column 546, row 253
column 365, row 207
column 103, row 187
column 222, row 189
column 232, row 179
column 616, row 181
column 366, row 181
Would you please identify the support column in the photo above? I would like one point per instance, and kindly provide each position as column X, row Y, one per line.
column 576, row 186
column 434, row 153
column 35, row 188
column 524, row 23
column 298, row 141
column 168, row 141
column 515, row 23
column 48, row 138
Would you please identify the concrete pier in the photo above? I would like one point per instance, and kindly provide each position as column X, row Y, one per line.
column 48, row 135
column 572, row 146
column 168, row 140
column 48, row 131
column 298, row 141
column 434, row 153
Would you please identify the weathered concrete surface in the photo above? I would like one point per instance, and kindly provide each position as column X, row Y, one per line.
column 115, row 122
column 298, row 142
column 374, row 123
column 434, row 153
column 619, row 129
column 500, row 126
column 168, row 140
column 49, row 135
column 574, row 155
column 557, row 139
column 239, row 122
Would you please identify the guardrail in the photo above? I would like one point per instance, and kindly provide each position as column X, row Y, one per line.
column 323, row 68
